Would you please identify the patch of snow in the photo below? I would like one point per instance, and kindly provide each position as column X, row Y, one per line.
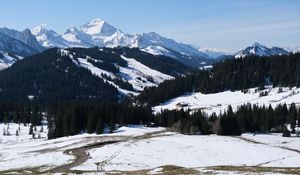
column 138, row 74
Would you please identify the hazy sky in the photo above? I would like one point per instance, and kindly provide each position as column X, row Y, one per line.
column 227, row 24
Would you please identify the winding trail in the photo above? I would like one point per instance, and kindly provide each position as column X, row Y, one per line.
column 81, row 153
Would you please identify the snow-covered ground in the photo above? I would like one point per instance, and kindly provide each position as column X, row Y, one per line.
column 191, row 152
column 219, row 102
column 140, row 148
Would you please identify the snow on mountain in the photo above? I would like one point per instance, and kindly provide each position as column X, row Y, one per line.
column 49, row 38
column 157, row 50
column 76, row 38
column 154, row 39
column 14, row 46
column 120, row 39
column 102, row 34
column 25, row 36
column 98, row 27
column 214, row 53
column 7, row 60
column 260, row 50
column 135, row 73
column 98, row 30
column 141, row 76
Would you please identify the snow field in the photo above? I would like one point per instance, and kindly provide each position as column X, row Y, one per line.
column 218, row 102
column 191, row 152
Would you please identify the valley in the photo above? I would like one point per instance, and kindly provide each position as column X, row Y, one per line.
column 167, row 87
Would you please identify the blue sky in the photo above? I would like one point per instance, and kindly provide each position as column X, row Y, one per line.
column 227, row 24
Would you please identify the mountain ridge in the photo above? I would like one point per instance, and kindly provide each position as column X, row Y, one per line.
column 102, row 34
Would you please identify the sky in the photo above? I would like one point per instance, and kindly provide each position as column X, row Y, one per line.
column 223, row 24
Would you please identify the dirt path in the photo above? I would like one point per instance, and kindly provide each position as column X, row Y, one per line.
column 81, row 154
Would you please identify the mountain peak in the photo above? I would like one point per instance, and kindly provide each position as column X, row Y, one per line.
column 260, row 50
column 97, row 21
column 38, row 30
column 258, row 45
column 71, row 30
column 98, row 27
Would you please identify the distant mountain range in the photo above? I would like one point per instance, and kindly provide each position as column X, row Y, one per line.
column 102, row 34
column 15, row 45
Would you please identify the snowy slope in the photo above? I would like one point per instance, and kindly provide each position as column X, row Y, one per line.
column 7, row 60
column 260, row 50
column 139, row 75
column 76, row 38
column 219, row 102
column 49, row 38
column 135, row 73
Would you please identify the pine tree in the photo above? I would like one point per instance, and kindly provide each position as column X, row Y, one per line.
column 99, row 126
column 31, row 129
column 112, row 126
column 292, row 117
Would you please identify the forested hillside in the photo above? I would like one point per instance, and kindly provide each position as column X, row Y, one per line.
column 47, row 77
column 230, row 74
column 102, row 74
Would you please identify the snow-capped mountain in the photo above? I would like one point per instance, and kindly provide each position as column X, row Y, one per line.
column 48, row 38
column 76, row 38
column 25, row 36
column 102, row 34
column 14, row 46
column 260, row 50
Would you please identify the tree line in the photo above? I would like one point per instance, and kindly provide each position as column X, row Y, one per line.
column 66, row 119
column 247, row 118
